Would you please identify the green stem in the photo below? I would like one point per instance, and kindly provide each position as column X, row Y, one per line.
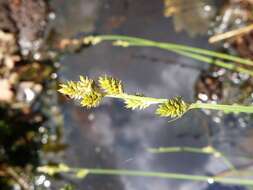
column 172, row 46
column 227, row 162
column 166, row 175
column 177, row 149
column 205, row 59
column 206, row 150
column 192, row 52
column 214, row 62
column 197, row 105
column 207, row 52
column 147, row 100
column 221, row 107
column 62, row 168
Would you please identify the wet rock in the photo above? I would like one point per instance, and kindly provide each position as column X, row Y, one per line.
column 243, row 44
column 208, row 87
column 8, row 49
column 30, row 18
column 25, row 80
column 6, row 94
column 29, row 72
column 28, row 91
column 234, row 14
column 6, row 22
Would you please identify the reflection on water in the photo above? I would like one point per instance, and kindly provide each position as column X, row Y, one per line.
column 113, row 137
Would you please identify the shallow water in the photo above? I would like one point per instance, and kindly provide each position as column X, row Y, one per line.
column 111, row 136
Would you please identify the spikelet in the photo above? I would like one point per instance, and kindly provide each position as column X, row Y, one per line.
column 92, row 99
column 76, row 90
column 110, row 85
column 173, row 108
column 85, row 90
column 135, row 104
column 52, row 170
column 93, row 40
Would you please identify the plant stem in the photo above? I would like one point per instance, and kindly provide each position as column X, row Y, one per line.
column 197, row 105
column 192, row 52
column 147, row 100
column 62, row 168
column 209, row 60
column 230, row 34
column 167, row 175
column 205, row 59
column 206, row 150
column 221, row 107
column 206, row 52
column 172, row 46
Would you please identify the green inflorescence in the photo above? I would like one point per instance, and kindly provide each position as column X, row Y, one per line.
column 175, row 107
column 110, row 85
column 136, row 104
column 84, row 90
column 92, row 99
column 90, row 94
column 76, row 90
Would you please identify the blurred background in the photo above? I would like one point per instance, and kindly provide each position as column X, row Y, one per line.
column 38, row 126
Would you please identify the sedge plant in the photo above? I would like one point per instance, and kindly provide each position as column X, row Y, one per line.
column 209, row 150
column 90, row 93
column 223, row 60
column 83, row 172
